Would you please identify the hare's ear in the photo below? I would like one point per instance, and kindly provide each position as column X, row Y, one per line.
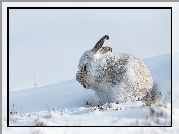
column 100, row 43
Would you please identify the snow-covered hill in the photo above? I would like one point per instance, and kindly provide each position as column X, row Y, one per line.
column 64, row 104
column 70, row 93
column 57, row 96
column 160, row 66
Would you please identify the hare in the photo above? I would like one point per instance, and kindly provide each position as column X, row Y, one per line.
column 115, row 77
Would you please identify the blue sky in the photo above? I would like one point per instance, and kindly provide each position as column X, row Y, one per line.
column 50, row 42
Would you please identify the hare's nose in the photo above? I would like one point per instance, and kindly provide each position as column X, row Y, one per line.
column 83, row 68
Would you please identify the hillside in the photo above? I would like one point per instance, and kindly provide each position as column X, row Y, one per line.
column 64, row 104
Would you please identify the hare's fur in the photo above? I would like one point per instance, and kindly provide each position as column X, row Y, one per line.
column 115, row 77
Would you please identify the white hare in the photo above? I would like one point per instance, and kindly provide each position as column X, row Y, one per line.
column 115, row 77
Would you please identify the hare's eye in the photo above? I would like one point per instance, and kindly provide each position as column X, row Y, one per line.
column 85, row 68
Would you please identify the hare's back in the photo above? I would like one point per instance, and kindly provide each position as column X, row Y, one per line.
column 112, row 68
column 125, row 68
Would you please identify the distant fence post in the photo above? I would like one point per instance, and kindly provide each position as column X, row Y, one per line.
column 35, row 81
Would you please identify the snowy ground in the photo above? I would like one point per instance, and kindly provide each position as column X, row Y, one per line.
column 65, row 104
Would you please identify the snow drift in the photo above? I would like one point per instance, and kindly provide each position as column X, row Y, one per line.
column 68, row 103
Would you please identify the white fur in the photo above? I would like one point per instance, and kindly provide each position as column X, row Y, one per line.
column 115, row 77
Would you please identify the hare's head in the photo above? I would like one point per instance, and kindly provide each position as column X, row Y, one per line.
column 88, row 56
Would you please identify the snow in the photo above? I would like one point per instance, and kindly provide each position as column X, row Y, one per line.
column 160, row 66
column 58, row 96
column 64, row 104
